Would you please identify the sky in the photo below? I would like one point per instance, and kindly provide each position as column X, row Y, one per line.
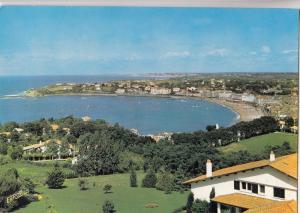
column 133, row 40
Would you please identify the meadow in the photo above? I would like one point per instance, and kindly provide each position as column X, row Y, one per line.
column 71, row 199
column 35, row 171
column 256, row 145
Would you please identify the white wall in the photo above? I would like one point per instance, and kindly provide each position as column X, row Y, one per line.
column 266, row 176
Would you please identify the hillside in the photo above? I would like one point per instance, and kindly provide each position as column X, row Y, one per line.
column 256, row 145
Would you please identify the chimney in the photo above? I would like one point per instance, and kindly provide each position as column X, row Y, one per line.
column 208, row 168
column 272, row 156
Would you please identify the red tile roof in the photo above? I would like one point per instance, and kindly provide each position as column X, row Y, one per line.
column 286, row 164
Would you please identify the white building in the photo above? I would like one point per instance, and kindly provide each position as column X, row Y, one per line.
column 248, row 98
column 176, row 89
column 160, row 91
column 120, row 91
column 225, row 95
column 262, row 186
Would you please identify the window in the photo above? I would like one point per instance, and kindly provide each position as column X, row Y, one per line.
column 255, row 188
column 249, row 186
column 237, row 185
column 244, row 185
column 279, row 192
column 262, row 189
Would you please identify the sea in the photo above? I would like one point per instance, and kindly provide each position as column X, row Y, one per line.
column 149, row 115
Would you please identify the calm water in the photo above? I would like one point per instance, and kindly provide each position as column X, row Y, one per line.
column 148, row 115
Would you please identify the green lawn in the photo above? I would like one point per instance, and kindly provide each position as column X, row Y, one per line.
column 34, row 171
column 257, row 144
column 125, row 198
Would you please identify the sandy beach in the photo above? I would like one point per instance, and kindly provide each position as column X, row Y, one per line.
column 246, row 111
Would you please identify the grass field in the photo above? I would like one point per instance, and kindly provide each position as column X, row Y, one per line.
column 34, row 171
column 126, row 199
column 257, row 144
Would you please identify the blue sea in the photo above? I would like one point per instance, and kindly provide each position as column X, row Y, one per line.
column 149, row 115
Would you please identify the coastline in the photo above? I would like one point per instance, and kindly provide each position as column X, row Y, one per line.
column 244, row 111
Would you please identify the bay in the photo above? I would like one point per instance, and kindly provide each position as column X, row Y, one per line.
column 150, row 115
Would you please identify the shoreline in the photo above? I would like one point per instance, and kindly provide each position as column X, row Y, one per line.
column 244, row 111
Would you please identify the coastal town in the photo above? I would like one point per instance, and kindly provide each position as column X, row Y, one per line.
column 251, row 96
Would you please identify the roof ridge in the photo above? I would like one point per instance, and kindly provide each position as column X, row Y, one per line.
column 250, row 165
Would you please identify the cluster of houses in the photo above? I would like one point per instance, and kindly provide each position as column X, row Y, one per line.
column 153, row 89
column 264, row 186
column 42, row 147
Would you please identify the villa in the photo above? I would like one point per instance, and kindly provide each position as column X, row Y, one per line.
column 263, row 186
column 42, row 147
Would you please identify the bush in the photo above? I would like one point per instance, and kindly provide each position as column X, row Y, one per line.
column 108, row 207
column 27, row 184
column 4, row 159
column 15, row 153
column 107, row 188
column 165, row 182
column 179, row 210
column 133, row 178
column 83, row 184
column 55, row 178
column 150, row 179
column 189, row 203
column 200, row 206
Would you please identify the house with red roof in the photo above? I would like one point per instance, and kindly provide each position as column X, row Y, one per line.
column 263, row 186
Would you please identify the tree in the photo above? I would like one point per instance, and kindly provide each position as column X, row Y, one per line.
column 101, row 154
column 212, row 193
column 9, row 183
column 35, row 128
column 107, row 188
column 56, row 178
column 15, row 153
column 133, row 178
column 200, row 206
column 52, row 149
column 3, row 148
column 210, row 127
column 150, row 179
column 108, row 207
column 189, row 203
column 212, row 205
column 165, row 182
column 64, row 149
column 83, row 184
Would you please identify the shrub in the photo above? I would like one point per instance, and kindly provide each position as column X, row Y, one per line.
column 179, row 210
column 165, row 182
column 133, row 178
column 27, row 184
column 83, row 184
column 200, row 206
column 108, row 207
column 189, row 203
column 150, row 179
column 212, row 193
column 107, row 188
column 55, row 178
column 4, row 159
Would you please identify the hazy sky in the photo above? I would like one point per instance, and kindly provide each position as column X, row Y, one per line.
column 106, row 40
